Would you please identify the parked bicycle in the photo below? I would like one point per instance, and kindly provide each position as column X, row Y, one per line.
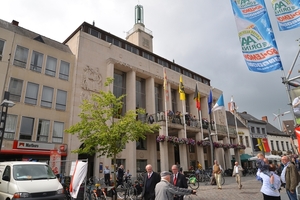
column 129, row 190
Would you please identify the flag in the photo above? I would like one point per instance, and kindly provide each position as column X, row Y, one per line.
column 197, row 98
column 256, row 36
column 297, row 133
column 219, row 105
column 287, row 14
column 232, row 107
column 79, row 174
column 209, row 101
column 263, row 145
column 181, row 89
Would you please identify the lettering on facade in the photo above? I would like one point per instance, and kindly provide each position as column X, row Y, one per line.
column 92, row 79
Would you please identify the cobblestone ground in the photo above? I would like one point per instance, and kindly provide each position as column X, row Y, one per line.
column 250, row 191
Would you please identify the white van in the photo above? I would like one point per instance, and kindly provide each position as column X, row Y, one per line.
column 28, row 180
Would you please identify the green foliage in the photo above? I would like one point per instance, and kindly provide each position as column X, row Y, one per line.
column 103, row 130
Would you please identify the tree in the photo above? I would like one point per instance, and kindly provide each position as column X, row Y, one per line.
column 103, row 130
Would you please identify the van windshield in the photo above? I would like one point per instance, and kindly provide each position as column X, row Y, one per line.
column 32, row 172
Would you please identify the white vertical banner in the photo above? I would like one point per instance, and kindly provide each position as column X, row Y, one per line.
column 78, row 171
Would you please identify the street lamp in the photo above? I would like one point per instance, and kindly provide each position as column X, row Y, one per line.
column 6, row 103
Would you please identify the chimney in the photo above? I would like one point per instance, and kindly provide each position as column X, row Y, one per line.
column 264, row 118
column 14, row 22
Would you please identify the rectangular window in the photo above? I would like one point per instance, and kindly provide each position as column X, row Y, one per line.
column 282, row 145
column 287, row 146
column 51, row 66
column 247, row 141
column 58, row 132
column 272, row 145
column 26, row 128
column 1, row 49
column 277, row 145
column 120, row 88
column 158, row 98
column 95, row 33
column 31, row 93
column 141, row 165
column 61, row 100
column 263, row 130
column 47, row 97
column 36, row 61
column 241, row 139
column 252, row 129
column 141, row 144
column 21, row 57
column 173, row 100
column 15, row 89
column 140, row 93
column 64, row 70
column 43, row 130
column 257, row 130
column 10, row 126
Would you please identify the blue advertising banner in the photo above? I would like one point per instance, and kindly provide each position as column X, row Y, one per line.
column 287, row 13
column 256, row 35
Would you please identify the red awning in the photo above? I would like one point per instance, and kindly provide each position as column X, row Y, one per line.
column 28, row 152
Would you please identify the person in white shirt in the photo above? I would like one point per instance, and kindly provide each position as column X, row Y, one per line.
column 237, row 173
column 266, row 189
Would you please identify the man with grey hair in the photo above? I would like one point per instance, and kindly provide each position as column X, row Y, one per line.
column 289, row 177
column 151, row 178
column 164, row 190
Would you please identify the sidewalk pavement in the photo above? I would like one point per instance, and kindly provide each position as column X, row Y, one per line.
column 250, row 191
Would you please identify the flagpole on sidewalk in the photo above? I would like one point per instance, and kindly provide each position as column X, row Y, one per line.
column 201, row 127
column 182, row 98
column 227, row 127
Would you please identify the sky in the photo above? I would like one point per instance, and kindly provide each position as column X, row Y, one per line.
column 200, row 36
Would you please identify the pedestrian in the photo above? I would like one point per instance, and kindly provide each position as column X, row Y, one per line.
column 107, row 176
column 178, row 180
column 289, row 177
column 120, row 175
column 151, row 178
column 217, row 171
column 237, row 173
column 270, row 192
column 164, row 190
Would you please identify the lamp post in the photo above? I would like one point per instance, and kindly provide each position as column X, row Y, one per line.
column 5, row 104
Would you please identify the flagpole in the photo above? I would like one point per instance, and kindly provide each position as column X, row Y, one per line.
column 236, row 128
column 184, row 113
column 166, row 90
column 216, row 127
column 200, row 119
column 227, row 127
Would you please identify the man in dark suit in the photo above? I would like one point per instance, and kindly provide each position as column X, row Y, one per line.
column 151, row 178
column 178, row 180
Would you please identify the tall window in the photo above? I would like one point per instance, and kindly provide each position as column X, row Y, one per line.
column 43, row 130
column 252, row 129
column 263, row 130
column 1, row 49
column 158, row 98
column 241, row 139
column 51, row 66
column 10, row 126
column 247, row 141
column 282, row 145
column 277, row 145
column 120, row 88
column 257, row 130
column 287, row 146
column 15, row 89
column 61, row 100
column 26, row 128
column 36, row 61
column 58, row 132
column 47, row 97
column 140, row 165
column 272, row 145
column 31, row 93
column 140, row 93
column 21, row 57
column 141, row 144
column 187, row 103
column 173, row 99
column 64, row 70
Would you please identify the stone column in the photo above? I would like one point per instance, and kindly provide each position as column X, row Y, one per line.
column 164, row 154
column 227, row 155
column 237, row 152
column 183, row 153
column 199, row 150
column 130, row 105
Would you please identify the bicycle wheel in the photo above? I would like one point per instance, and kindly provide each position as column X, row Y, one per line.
column 121, row 192
column 207, row 179
column 193, row 183
column 222, row 180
